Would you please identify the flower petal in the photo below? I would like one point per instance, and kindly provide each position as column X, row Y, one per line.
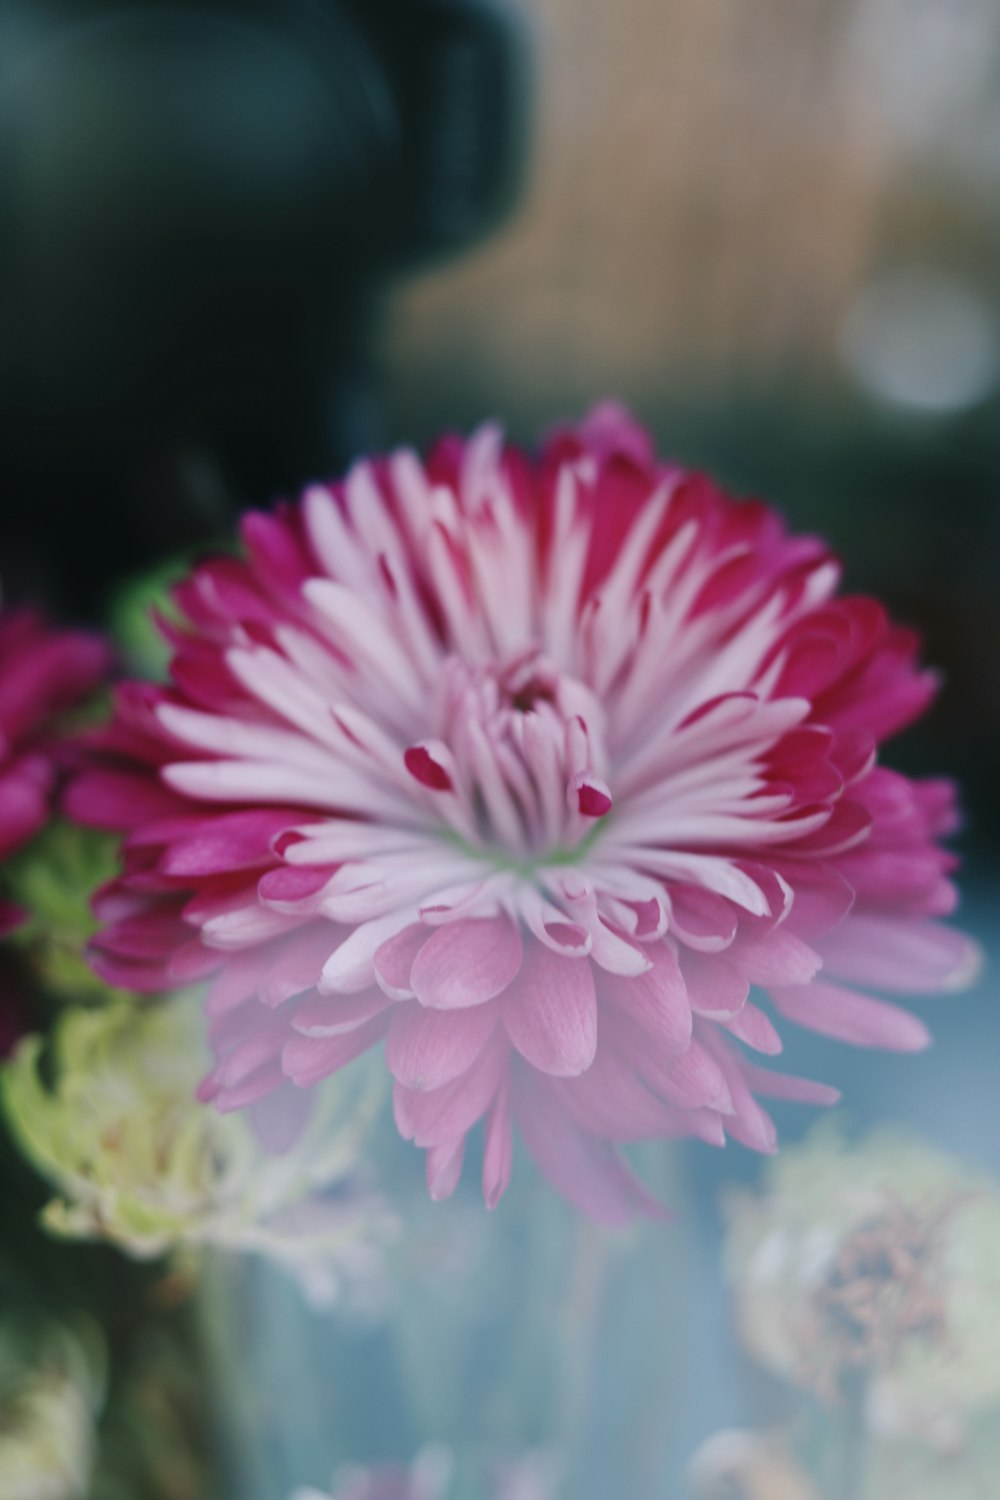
column 550, row 1012
column 428, row 1048
column 584, row 1168
column 835, row 1011
column 658, row 999
column 466, row 963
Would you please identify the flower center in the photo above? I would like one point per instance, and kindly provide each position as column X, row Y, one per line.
column 882, row 1290
column 518, row 759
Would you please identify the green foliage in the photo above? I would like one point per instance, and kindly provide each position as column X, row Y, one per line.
column 54, row 880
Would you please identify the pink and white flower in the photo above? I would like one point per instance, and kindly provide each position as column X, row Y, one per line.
column 531, row 770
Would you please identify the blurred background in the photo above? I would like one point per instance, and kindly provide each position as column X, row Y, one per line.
column 244, row 240
column 241, row 241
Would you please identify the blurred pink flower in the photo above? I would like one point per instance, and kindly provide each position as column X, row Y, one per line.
column 531, row 769
column 43, row 672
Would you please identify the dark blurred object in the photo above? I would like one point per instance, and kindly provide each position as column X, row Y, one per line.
column 199, row 205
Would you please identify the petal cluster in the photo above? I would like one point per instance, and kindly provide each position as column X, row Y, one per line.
column 43, row 672
column 531, row 769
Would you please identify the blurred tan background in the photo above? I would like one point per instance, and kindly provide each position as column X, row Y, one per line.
column 712, row 186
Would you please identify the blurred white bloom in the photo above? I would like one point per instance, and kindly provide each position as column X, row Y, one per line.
column 138, row 1161
column 51, row 1393
column 880, row 1262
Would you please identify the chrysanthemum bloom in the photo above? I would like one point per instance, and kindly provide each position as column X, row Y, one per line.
column 531, row 770
column 42, row 673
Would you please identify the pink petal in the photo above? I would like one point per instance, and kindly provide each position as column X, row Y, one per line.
column 748, row 1123
column 262, row 1046
column 227, row 841
column 498, row 1151
column 834, row 1011
column 118, row 799
column 593, row 798
column 779, row 957
column 690, row 1080
column 428, row 765
column 253, row 1089
column 611, row 1100
column 466, row 963
column 583, row 1167
column 242, row 925
column 716, row 987
column 428, row 1048
column 751, row 1125
column 142, row 976
column 393, row 961
column 294, row 963
column 191, row 962
column 151, row 933
column 336, row 1015
column 444, row 1168
column 693, row 1080
column 350, row 966
column 702, row 919
column 43, row 673
column 754, row 1028
column 657, row 999
column 25, row 789
column 849, row 824
column 307, row 1060
column 438, row 1116
column 550, row 1012
column 787, row 1086
column 821, row 898
column 292, row 888
column 905, row 954
column 234, row 984
column 613, row 952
